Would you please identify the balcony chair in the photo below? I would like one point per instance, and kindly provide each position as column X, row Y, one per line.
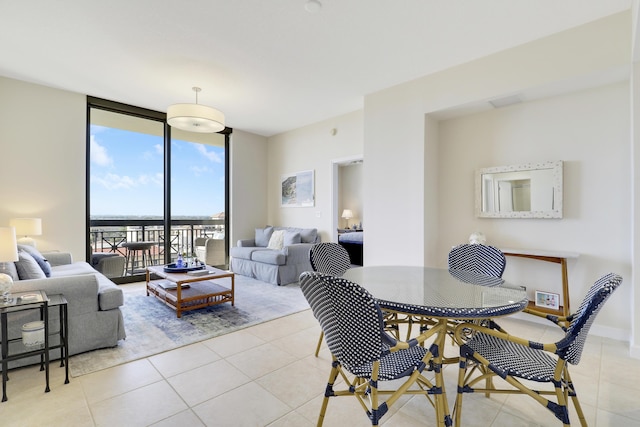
column 489, row 352
column 328, row 258
column 363, row 354
column 210, row 251
column 108, row 263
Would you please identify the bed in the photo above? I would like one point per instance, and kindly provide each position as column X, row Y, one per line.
column 353, row 242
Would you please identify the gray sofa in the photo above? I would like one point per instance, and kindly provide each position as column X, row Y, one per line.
column 95, row 320
column 275, row 255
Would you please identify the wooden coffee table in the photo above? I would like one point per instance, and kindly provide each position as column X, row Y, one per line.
column 191, row 292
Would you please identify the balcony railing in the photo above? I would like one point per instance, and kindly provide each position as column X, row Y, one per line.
column 109, row 236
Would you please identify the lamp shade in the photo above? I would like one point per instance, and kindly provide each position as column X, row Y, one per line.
column 195, row 118
column 27, row 226
column 347, row 214
column 8, row 245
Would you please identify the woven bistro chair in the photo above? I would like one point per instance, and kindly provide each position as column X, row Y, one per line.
column 477, row 258
column 328, row 258
column 493, row 353
column 363, row 354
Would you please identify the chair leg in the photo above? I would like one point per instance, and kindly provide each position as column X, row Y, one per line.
column 319, row 343
column 457, row 409
column 574, row 399
column 328, row 392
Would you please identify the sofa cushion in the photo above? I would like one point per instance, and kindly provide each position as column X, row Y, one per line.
column 73, row 269
column 28, row 268
column 263, row 235
column 309, row 235
column 269, row 256
column 40, row 259
column 291, row 238
column 10, row 269
column 277, row 239
column 242, row 252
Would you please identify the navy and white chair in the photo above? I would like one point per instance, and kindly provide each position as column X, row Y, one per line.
column 363, row 354
column 328, row 258
column 477, row 258
column 486, row 353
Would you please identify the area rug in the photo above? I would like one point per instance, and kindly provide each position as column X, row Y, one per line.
column 153, row 328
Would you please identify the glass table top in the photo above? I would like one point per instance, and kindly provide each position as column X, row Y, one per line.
column 439, row 292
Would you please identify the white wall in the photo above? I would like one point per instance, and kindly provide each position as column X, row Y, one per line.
column 248, row 184
column 402, row 151
column 42, row 133
column 586, row 131
column 311, row 148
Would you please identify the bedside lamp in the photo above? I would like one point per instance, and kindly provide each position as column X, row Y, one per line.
column 347, row 214
column 8, row 253
column 27, row 227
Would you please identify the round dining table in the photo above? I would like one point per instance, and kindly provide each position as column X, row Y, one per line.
column 443, row 296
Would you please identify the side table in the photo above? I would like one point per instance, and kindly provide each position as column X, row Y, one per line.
column 19, row 302
column 63, row 344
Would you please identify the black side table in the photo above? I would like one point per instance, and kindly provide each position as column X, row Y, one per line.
column 19, row 302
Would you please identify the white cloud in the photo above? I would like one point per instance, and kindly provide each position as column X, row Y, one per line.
column 112, row 181
column 159, row 149
column 210, row 155
column 199, row 171
column 99, row 154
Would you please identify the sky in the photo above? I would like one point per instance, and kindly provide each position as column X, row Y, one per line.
column 127, row 175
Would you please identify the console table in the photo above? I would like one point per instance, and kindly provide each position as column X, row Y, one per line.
column 556, row 257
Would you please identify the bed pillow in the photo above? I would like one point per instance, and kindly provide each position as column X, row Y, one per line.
column 263, row 235
column 291, row 238
column 40, row 259
column 277, row 240
column 27, row 267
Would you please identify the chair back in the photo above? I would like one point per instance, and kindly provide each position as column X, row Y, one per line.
column 571, row 346
column 349, row 316
column 329, row 258
column 478, row 258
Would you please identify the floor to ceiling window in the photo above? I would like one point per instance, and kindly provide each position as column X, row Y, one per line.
column 152, row 187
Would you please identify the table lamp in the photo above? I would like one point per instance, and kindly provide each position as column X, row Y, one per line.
column 8, row 253
column 347, row 214
column 27, row 227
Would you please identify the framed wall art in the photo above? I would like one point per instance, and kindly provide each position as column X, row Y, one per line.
column 547, row 300
column 297, row 189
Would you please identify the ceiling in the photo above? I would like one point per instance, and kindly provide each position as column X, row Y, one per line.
column 270, row 66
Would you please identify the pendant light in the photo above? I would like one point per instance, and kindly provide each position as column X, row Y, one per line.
column 195, row 117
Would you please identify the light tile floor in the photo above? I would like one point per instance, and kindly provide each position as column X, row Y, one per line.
column 267, row 375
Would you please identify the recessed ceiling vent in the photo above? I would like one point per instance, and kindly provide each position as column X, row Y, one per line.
column 506, row 101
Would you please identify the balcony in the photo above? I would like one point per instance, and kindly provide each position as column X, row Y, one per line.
column 108, row 236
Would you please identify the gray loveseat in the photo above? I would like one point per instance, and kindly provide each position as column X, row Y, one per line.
column 275, row 255
column 95, row 319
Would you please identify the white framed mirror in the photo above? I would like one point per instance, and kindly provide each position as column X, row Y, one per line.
column 533, row 190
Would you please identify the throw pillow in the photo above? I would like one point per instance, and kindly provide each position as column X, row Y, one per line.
column 309, row 235
column 277, row 240
column 40, row 259
column 27, row 267
column 263, row 235
column 10, row 269
column 291, row 237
